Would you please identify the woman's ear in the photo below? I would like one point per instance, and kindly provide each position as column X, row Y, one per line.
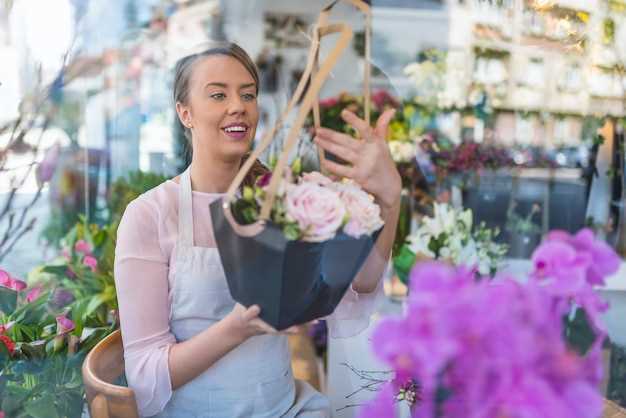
column 184, row 114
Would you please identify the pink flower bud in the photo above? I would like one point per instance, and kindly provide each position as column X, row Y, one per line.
column 64, row 325
column 90, row 262
column 83, row 247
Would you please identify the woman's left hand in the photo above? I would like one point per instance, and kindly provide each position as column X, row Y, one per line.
column 370, row 162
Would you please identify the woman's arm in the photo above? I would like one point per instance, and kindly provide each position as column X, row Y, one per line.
column 372, row 167
column 155, row 363
column 190, row 358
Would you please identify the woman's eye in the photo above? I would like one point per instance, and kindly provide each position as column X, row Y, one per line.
column 248, row 97
column 218, row 96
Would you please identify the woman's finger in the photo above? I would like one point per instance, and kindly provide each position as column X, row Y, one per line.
column 364, row 129
column 251, row 313
column 263, row 326
column 382, row 124
column 339, row 170
column 337, row 138
column 344, row 153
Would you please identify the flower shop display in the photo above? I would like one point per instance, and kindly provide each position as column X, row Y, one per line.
column 449, row 235
column 48, row 328
column 494, row 348
column 295, row 250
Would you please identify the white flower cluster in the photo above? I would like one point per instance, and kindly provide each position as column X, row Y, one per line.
column 448, row 235
column 402, row 151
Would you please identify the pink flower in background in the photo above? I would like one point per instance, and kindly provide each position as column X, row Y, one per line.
column 318, row 211
column 90, row 262
column 493, row 348
column 11, row 282
column 83, row 247
column 604, row 260
column 64, row 325
column 34, row 293
column 560, row 265
column 317, row 178
column 45, row 169
column 66, row 254
column 364, row 214
column 329, row 102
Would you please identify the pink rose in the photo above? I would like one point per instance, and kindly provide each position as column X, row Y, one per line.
column 64, row 325
column 83, row 247
column 317, row 178
column 364, row 214
column 90, row 262
column 318, row 211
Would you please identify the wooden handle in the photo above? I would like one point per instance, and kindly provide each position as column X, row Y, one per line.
column 345, row 34
column 310, row 102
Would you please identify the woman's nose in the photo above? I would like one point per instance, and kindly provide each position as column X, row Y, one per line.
column 236, row 104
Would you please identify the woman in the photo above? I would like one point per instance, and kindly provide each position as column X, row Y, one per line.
column 190, row 350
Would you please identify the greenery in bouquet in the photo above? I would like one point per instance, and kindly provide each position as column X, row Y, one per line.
column 449, row 235
column 311, row 207
column 47, row 328
column 499, row 348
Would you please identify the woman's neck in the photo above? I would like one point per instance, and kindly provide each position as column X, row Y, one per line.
column 214, row 176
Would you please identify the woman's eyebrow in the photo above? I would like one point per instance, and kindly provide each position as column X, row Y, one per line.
column 224, row 85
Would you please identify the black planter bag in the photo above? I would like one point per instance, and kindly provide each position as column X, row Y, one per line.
column 293, row 282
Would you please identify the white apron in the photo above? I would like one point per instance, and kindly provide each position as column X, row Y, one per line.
column 254, row 380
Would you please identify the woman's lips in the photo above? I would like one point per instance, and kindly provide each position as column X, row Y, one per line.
column 236, row 131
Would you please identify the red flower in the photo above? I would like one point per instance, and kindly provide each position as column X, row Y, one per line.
column 9, row 344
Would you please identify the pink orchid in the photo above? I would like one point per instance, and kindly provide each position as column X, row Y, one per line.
column 10, row 282
column 64, row 325
column 90, row 262
column 33, row 294
column 83, row 247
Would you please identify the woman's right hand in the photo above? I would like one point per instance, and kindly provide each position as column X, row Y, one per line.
column 245, row 322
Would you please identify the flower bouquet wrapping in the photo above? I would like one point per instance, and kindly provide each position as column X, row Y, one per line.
column 293, row 244
column 448, row 235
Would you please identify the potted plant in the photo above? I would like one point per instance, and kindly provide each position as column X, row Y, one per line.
column 524, row 233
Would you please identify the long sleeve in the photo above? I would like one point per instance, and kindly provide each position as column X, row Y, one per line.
column 141, row 279
column 352, row 315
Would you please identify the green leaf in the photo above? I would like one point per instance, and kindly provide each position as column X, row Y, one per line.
column 42, row 407
column 93, row 304
column 57, row 270
column 8, row 300
column 403, row 263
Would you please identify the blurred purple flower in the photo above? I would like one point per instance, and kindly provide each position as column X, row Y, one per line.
column 493, row 348
column 61, row 298
column 47, row 166
column 264, row 180
column 605, row 260
column 64, row 325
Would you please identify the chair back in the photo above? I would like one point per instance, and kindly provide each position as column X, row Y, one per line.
column 104, row 365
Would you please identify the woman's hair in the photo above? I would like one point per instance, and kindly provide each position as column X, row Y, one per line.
column 182, row 75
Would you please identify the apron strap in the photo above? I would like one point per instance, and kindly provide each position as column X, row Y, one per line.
column 185, row 215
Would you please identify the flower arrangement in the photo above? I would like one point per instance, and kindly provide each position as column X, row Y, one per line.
column 311, row 207
column 497, row 348
column 448, row 235
column 47, row 328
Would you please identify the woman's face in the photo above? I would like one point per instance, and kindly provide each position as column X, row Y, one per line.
column 222, row 108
